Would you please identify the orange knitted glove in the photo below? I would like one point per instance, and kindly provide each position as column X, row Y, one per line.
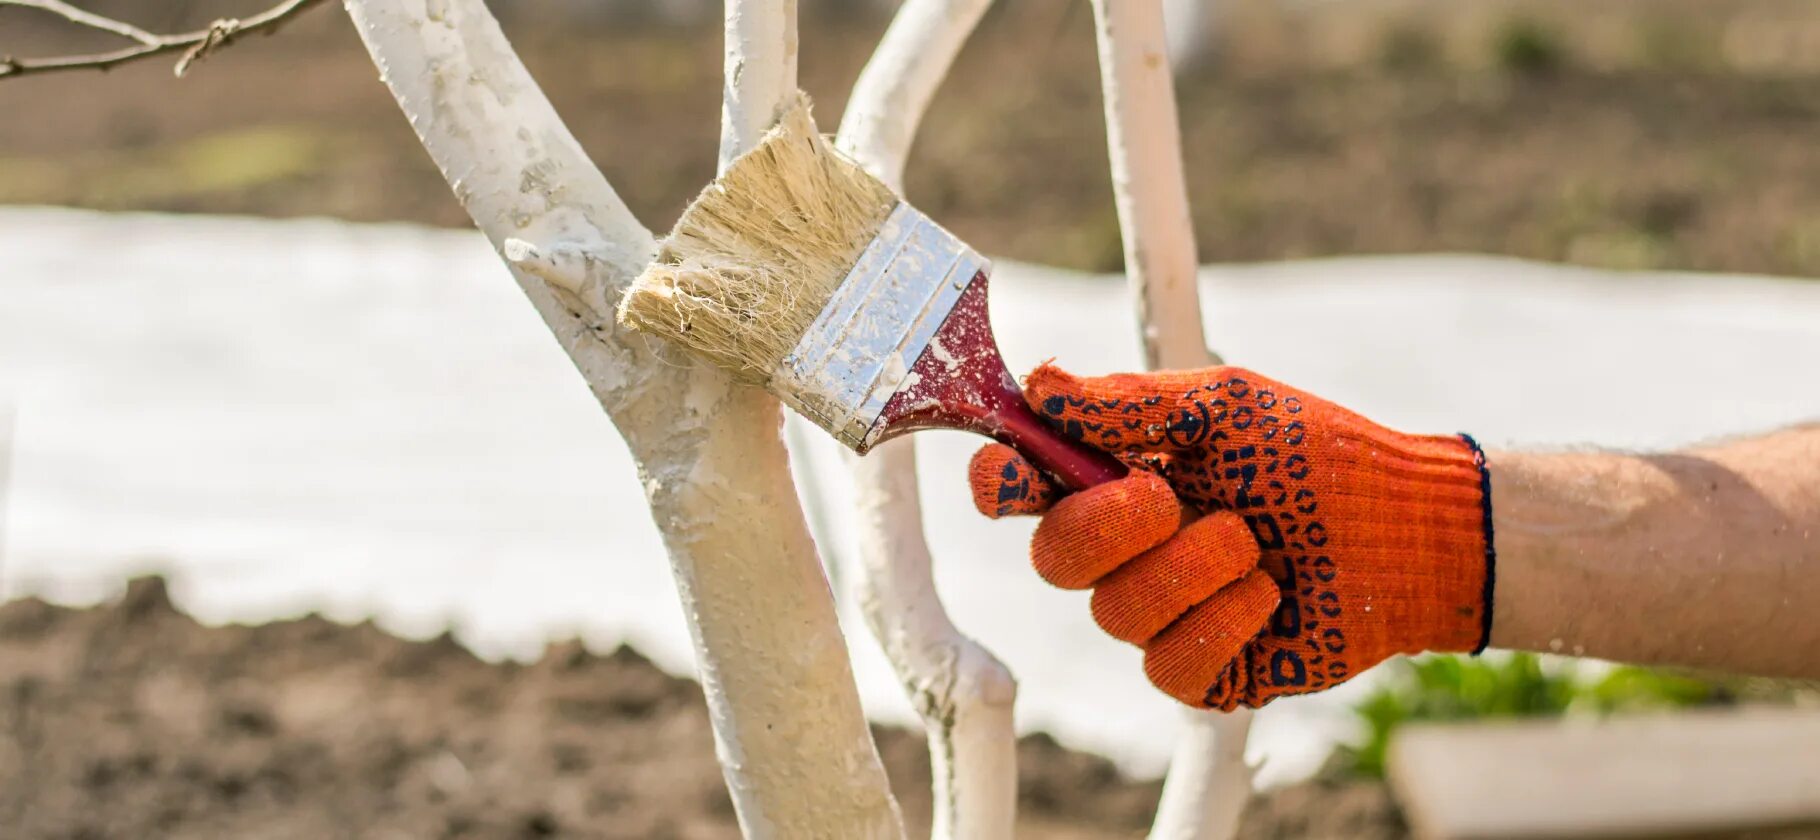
column 1328, row 543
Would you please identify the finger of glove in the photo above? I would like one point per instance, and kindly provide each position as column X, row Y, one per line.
column 1133, row 412
column 1004, row 484
column 1094, row 531
column 1137, row 600
column 1197, row 655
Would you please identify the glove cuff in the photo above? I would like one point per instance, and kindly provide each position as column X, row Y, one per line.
column 1489, row 585
column 1428, row 517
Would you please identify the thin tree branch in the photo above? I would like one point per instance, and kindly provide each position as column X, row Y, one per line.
column 963, row 694
column 85, row 18
column 195, row 45
column 759, row 81
column 760, row 71
column 1148, row 186
column 1209, row 782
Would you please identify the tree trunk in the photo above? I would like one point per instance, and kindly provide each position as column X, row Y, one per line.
column 793, row 743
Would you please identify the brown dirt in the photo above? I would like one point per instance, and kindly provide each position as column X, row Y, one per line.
column 1666, row 133
column 131, row 720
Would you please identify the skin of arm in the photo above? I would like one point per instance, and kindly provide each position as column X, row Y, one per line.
column 1708, row 557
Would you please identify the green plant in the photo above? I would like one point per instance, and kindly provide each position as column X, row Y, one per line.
column 1527, row 47
column 1453, row 688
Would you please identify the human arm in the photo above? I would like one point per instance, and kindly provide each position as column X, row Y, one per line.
column 1706, row 557
column 1275, row 543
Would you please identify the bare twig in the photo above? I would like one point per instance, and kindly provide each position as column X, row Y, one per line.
column 85, row 18
column 195, row 45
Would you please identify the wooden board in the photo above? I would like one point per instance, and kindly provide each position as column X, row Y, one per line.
column 1657, row 775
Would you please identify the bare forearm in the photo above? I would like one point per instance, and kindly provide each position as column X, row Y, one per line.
column 1708, row 557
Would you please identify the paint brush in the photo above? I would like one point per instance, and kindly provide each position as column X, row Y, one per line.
column 799, row 271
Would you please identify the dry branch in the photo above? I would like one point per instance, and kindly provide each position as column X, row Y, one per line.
column 195, row 46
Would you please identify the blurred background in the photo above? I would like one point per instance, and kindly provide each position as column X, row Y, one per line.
column 1622, row 134
column 248, row 345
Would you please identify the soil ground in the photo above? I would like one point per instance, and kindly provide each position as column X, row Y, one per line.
column 131, row 720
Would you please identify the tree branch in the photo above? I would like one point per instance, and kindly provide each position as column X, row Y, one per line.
column 788, row 727
column 1208, row 782
column 1144, row 140
column 89, row 19
column 759, row 80
column 195, row 45
column 760, row 71
column 894, row 88
column 963, row 694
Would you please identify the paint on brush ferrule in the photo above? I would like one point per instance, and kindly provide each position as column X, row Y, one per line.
column 860, row 349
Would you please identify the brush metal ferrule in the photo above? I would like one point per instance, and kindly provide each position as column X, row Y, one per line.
column 860, row 349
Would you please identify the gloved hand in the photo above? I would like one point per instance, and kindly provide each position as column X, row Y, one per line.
column 1307, row 544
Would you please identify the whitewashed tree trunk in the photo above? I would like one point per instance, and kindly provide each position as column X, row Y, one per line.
column 963, row 694
column 1209, row 782
column 1189, row 28
column 760, row 71
column 1148, row 185
column 793, row 744
column 8, row 422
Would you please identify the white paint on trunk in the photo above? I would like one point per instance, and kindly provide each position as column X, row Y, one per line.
column 1209, row 781
column 1189, row 27
column 894, row 89
column 760, row 71
column 792, row 741
column 1145, row 146
column 963, row 694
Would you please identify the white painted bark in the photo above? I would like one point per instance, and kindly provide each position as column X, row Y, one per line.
column 1189, row 27
column 1209, row 782
column 895, row 87
column 963, row 694
column 1149, row 188
column 7, row 424
column 792, row 741
column 760, row 69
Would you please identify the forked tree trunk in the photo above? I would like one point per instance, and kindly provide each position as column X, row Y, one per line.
column 793, row 743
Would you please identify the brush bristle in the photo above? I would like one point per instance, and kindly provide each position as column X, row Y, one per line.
column 757, row 255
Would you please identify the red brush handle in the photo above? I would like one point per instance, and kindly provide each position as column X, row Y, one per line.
column 960, row 382
column 1076, row 465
